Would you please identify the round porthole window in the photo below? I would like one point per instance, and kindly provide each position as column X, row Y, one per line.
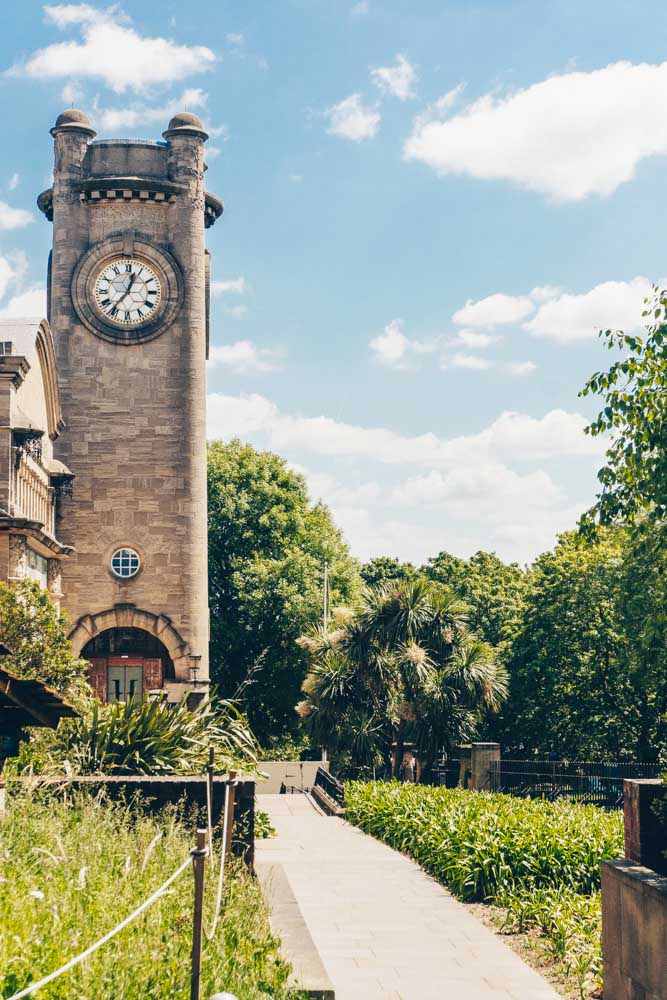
column 125, row 563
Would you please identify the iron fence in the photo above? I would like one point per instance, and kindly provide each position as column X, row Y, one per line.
column 592, row 782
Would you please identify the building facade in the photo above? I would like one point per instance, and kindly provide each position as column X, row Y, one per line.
column 128, row 303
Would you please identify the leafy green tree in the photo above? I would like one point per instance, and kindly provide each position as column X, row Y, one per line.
column 634, row 393
column 402, row 667
column 267, row 548
column 583, row 681
column 385, row 569
column 493, row 590
column 36, row 634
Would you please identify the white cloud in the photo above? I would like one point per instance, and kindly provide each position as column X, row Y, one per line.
column 238, row 312
column 397, row 80
column 487, row 485
column 360, row 9
column 390, row 347
column 296, row 178
column 493, row 309
column 463, row 493
column 7, row 275
column 72, row 93
column 569, row 136
column 243, row 356
column 13, row 218
column 474, row 340
column 511, row 435
column 351, row 119
column 519, row 369
column 14, row 182
column 234, row 39
column 548, row 311
column 27, row 302
column 612, row 304
column 135, row 114
column 112, row 51
column 238, row 285
column 471, row 361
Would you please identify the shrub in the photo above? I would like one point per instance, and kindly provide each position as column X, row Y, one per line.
column 144, row 737
column 485, row 845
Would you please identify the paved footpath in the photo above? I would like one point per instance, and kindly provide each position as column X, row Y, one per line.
column 384, row 929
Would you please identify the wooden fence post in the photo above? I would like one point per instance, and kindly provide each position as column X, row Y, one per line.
column 230, row 798
column 198, row 864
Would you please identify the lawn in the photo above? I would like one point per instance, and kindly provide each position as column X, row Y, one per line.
column 539, row 861
column 71, row 868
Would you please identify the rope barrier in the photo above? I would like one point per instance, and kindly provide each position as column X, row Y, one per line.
column 29, row 990
column 221, row 875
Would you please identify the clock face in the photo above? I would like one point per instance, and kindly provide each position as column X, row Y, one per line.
column 127, row 292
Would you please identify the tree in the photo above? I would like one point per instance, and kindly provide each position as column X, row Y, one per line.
column 267, row 548
column 385, row 569
column 402, row 667
column 583, row 680
column 36, row 634
column 493, row 590
column 634, row 391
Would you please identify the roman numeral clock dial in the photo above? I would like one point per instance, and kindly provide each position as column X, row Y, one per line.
column 127, row 292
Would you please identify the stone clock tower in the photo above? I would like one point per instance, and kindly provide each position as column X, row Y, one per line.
column 128, row 306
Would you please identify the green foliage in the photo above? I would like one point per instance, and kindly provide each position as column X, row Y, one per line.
column 35, row 632
column 145, row 737
column 264, row 828
column 267, row 548
column 572, row 929
column 538, row 860
column 384, row 570
column 634, row 393
column 586, row 678
column 485, row 845
column 493, row 590
column 402, row 666
column 72, row 869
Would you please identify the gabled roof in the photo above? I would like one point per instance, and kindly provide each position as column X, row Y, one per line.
column 30, row 703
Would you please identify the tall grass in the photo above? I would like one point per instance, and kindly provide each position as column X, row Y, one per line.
column 71, row 869
column 539, row 860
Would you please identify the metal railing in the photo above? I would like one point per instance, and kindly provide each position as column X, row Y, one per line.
column 592, row 782
column 331, row 786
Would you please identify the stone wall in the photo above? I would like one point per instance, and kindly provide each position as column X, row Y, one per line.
column 634, row 932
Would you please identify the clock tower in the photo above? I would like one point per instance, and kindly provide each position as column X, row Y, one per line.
column 128, row 294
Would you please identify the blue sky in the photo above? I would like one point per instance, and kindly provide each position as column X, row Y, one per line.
column 430, row 208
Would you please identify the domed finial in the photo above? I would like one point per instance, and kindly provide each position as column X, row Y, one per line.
column 185, row 123
column 73, row 120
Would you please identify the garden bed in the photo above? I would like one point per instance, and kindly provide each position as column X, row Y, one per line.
column 71, row 868
column 539, row 862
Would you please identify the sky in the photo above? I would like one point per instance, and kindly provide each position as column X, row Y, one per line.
column 431, row 207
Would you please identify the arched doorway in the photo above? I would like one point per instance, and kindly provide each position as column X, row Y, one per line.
column 126, row 662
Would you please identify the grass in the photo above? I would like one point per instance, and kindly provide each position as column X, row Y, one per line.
column 538, row 860
column 71, row 868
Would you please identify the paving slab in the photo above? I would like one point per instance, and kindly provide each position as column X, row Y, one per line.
column 385, row 930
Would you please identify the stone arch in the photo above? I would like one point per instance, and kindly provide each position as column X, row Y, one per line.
column 127, row 616
column 47, row 359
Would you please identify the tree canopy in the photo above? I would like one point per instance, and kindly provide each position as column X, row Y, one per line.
column 402, row 667
column 634, row 392
column 36, row 634
column 267, row 548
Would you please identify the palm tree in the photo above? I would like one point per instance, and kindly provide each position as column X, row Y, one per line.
column 401, row 667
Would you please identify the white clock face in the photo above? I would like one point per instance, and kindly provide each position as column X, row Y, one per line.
column 127, row 292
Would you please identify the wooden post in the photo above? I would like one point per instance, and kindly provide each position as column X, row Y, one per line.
column 230, row 797
column 198, row 864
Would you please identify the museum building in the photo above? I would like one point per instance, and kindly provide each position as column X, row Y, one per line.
column 102, row 409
